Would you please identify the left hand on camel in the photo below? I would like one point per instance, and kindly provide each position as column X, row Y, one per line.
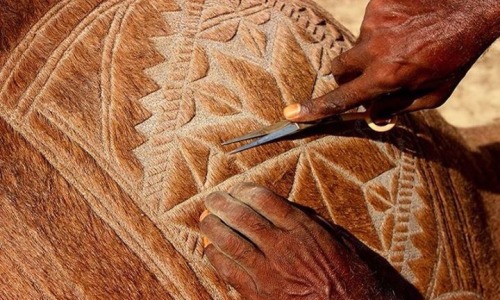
column 267, row 248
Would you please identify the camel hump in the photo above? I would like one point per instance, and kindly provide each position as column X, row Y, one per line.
column 112, row 115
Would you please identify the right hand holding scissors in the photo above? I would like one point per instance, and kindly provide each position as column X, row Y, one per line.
column 410, row 55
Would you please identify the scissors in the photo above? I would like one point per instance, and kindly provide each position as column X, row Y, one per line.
column 285, row 128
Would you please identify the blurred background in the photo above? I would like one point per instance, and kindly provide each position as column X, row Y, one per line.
column 475, row 102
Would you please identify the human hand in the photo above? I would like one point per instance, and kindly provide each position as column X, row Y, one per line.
column 410, row 56
column 266, row 248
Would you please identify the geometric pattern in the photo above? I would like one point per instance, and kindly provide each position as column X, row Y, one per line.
column 129, row 100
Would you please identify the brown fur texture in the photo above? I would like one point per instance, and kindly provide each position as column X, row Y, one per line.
column 112, row 114
column 485, row 142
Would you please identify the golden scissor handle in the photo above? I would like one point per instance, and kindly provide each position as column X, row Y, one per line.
column 383, row 125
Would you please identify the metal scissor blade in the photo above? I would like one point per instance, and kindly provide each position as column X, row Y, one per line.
column 258, row 133
column 289, row 129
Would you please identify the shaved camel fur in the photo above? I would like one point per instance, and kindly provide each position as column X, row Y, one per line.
column 111, row 117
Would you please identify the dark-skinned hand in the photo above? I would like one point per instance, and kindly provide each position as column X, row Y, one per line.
column 410, row 55
column 267, row 248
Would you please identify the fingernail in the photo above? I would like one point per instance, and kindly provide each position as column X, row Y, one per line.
column 206, row 242
column 204, row 215
column 292, row 111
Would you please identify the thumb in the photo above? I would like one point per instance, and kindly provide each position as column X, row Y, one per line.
column 352, row 94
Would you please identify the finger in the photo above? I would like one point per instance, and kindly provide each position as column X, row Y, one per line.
column 426, row 102
column 432, row 100
column 230, row 271
column 345, row 97
column 347, row 66
column 410, row 102
column 273, row 207
column 388, row 106
column 229, row 242
column 241, row 218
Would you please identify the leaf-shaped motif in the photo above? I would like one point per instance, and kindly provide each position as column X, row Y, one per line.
column 214, row 12
column 196, row 157
column 349, row 206
column 178, row 188
column 262, row 86
column 222, row 32
column 316, row 56
column 186, row 111
column 216, row 108
column 356, row 167
column 293, row 71
column 326, row 63
column 244, row 4
column 260, row 17
column 253, row 38
column 221, row 168
column 232, row 3
column 200, row 64
column 387, row 231
column 217, row 99
column 283, row 183
column 305, row 181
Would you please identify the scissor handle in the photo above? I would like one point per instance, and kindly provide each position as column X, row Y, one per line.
column 379, row 126
column 387, row 125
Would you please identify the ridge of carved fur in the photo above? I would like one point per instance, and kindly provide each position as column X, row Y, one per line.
column 112, row 114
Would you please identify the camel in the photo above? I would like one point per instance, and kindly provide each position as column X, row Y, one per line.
column 112, row 115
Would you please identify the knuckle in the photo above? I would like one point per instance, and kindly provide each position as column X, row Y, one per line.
column 340, row 60
column 247, row 189
column 230, row 245
column 228, row 272
column 259, row 227
column 267, row 200
column 370, row 25
column 211, row 252
column 349, row 61
column 329, row 104
column 216, row 200
column 213, row 196
column 243, row 215
column 287, row 239
column 252, row 222
column 240, row 252
column 332, row 103
column 433, row 102
column 296, row 228
column 207, row 225
column 387, row 77
column 293, row 217
column 242, row 187
column 431, row 105
column 263, row 196
column 236, row 283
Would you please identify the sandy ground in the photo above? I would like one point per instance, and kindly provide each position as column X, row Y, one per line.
column 477, row 99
